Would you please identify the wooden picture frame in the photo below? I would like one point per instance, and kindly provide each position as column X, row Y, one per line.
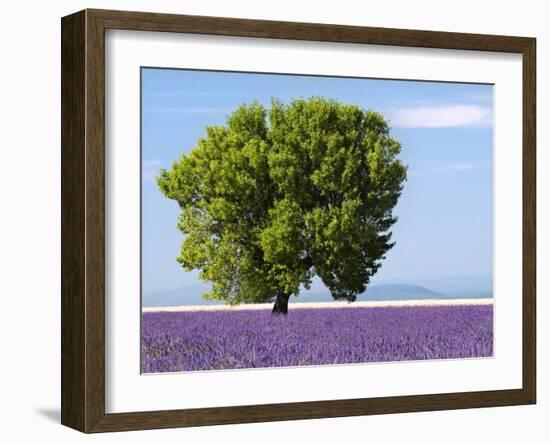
column 83, row 220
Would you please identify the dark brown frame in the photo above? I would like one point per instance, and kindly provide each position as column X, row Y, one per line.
column 83, row 217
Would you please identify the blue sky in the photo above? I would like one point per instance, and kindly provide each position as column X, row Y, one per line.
column 445, row 212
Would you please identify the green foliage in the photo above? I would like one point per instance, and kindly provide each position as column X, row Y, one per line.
column 279, row 195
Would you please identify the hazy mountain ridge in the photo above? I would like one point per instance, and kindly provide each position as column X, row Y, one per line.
column 192, row 295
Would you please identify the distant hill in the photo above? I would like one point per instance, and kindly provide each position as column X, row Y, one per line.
column 379, row 292
column 461, row 286
column 192, row 295
column 390, row 292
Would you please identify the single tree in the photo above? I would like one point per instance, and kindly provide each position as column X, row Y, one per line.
column 279, row 195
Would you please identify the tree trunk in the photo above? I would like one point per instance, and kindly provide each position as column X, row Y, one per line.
column 281, row 304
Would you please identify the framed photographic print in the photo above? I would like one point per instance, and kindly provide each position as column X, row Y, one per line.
column 269, row 220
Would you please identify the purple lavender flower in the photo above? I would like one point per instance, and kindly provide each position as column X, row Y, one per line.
column 216, row 340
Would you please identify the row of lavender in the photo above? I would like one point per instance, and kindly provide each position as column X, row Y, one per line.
column 215, row 340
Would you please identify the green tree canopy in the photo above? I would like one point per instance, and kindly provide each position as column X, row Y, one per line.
column 279, row 195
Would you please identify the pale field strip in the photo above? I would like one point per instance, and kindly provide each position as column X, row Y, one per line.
column 310, row 305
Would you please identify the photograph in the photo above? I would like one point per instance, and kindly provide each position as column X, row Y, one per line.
column 301, row 220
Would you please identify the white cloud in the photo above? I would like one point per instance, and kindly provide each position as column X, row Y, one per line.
column 151, row 163
column 149, row 169
column 442, row 116
column 461, row 167
column 423, row 167
column 190, row 109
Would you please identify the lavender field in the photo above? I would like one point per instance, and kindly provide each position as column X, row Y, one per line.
column 216, row 340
